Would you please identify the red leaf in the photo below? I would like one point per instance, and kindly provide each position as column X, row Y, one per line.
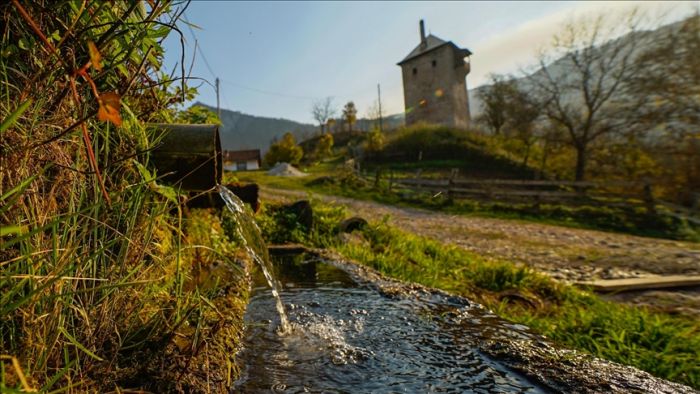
column 95, row 56
column 109, row 108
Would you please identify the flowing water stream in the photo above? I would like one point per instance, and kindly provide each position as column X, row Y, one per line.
column 347, row 337
column 249, row 233
column 352, row 331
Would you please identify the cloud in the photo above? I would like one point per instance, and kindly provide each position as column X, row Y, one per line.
column 516, row 49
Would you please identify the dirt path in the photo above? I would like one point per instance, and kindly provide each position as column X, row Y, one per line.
column 564, row 253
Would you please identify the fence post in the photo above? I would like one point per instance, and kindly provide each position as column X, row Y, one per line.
column 391, row 179
column 450, row 184
column 377, row 177
column 648, row 197
column 536, row 205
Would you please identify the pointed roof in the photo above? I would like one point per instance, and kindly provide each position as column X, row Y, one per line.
column 432, row 43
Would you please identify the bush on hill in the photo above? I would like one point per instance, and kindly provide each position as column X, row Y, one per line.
column 477, row 155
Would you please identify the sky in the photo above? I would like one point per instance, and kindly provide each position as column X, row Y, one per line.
column 275, row 59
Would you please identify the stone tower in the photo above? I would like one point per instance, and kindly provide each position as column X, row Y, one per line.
column 434, row 82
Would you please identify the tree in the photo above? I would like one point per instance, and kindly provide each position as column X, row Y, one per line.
column 374, row 114
column 493, row 98
column 322, row 111
column 324, row 146
column 667, row 92
column 350, row 114
column 197, row 114
column 330, row 124
column 581, row 91
column 375, row 140
column 285, row 150
column 511, row 111
column 521, row 113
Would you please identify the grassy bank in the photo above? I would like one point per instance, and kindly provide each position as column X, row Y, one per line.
column 664, row 345
column 101, row 285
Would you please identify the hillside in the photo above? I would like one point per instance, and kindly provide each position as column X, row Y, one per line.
column 561, row 66
column 439, row 148
column 244, row 131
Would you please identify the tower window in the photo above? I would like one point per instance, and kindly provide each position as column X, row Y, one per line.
column 415, row 71
column 434, row 63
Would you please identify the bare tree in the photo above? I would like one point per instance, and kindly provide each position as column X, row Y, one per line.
column 373, row 114
column 582, row 90
column 322, row 111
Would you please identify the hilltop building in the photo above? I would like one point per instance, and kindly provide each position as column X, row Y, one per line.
column 434, row 82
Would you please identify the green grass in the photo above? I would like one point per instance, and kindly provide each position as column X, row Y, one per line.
column 341, row 182
column 664, row 345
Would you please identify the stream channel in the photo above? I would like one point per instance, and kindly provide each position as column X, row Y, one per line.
column 347, row 329
column 348, row 337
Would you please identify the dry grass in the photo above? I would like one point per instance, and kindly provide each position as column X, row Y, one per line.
column 96, row 260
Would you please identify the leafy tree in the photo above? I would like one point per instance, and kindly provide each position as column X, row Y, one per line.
column 512, row 112
column 322, row 111
column 324, row 146
column 375, row 140
column 350, row 114
column 522, row 111
column 285, row 150
column 197, row 115
column 494, row 98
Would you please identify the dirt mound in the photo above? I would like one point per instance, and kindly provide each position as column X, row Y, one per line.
column 285, row 169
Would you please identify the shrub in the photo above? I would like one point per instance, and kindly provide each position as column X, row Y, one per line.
column 285, row 150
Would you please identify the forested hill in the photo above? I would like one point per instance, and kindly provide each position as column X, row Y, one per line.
column 243, row 131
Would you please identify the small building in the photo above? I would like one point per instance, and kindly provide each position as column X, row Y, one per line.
column 241, row 160
column 434, row 82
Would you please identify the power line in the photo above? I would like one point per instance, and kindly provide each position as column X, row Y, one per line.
column 269, row 92
column 199, row 48
column 242, row 86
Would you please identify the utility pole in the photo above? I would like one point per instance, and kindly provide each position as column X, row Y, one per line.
column 379, row 100
column 218, row 106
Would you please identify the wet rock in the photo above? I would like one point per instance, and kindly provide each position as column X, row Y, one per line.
column 302, row 211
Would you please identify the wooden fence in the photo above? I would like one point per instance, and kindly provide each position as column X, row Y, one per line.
column 616, row 193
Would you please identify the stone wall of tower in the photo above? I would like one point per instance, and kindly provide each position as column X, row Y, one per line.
column 435, row 88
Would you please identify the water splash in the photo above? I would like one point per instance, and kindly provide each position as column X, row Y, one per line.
column 250, row 235
column 348, row 337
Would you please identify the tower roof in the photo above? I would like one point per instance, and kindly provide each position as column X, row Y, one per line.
column 432, row 43
column 429, row 44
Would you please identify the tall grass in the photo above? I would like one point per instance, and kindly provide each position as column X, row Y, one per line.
column 94, row 286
